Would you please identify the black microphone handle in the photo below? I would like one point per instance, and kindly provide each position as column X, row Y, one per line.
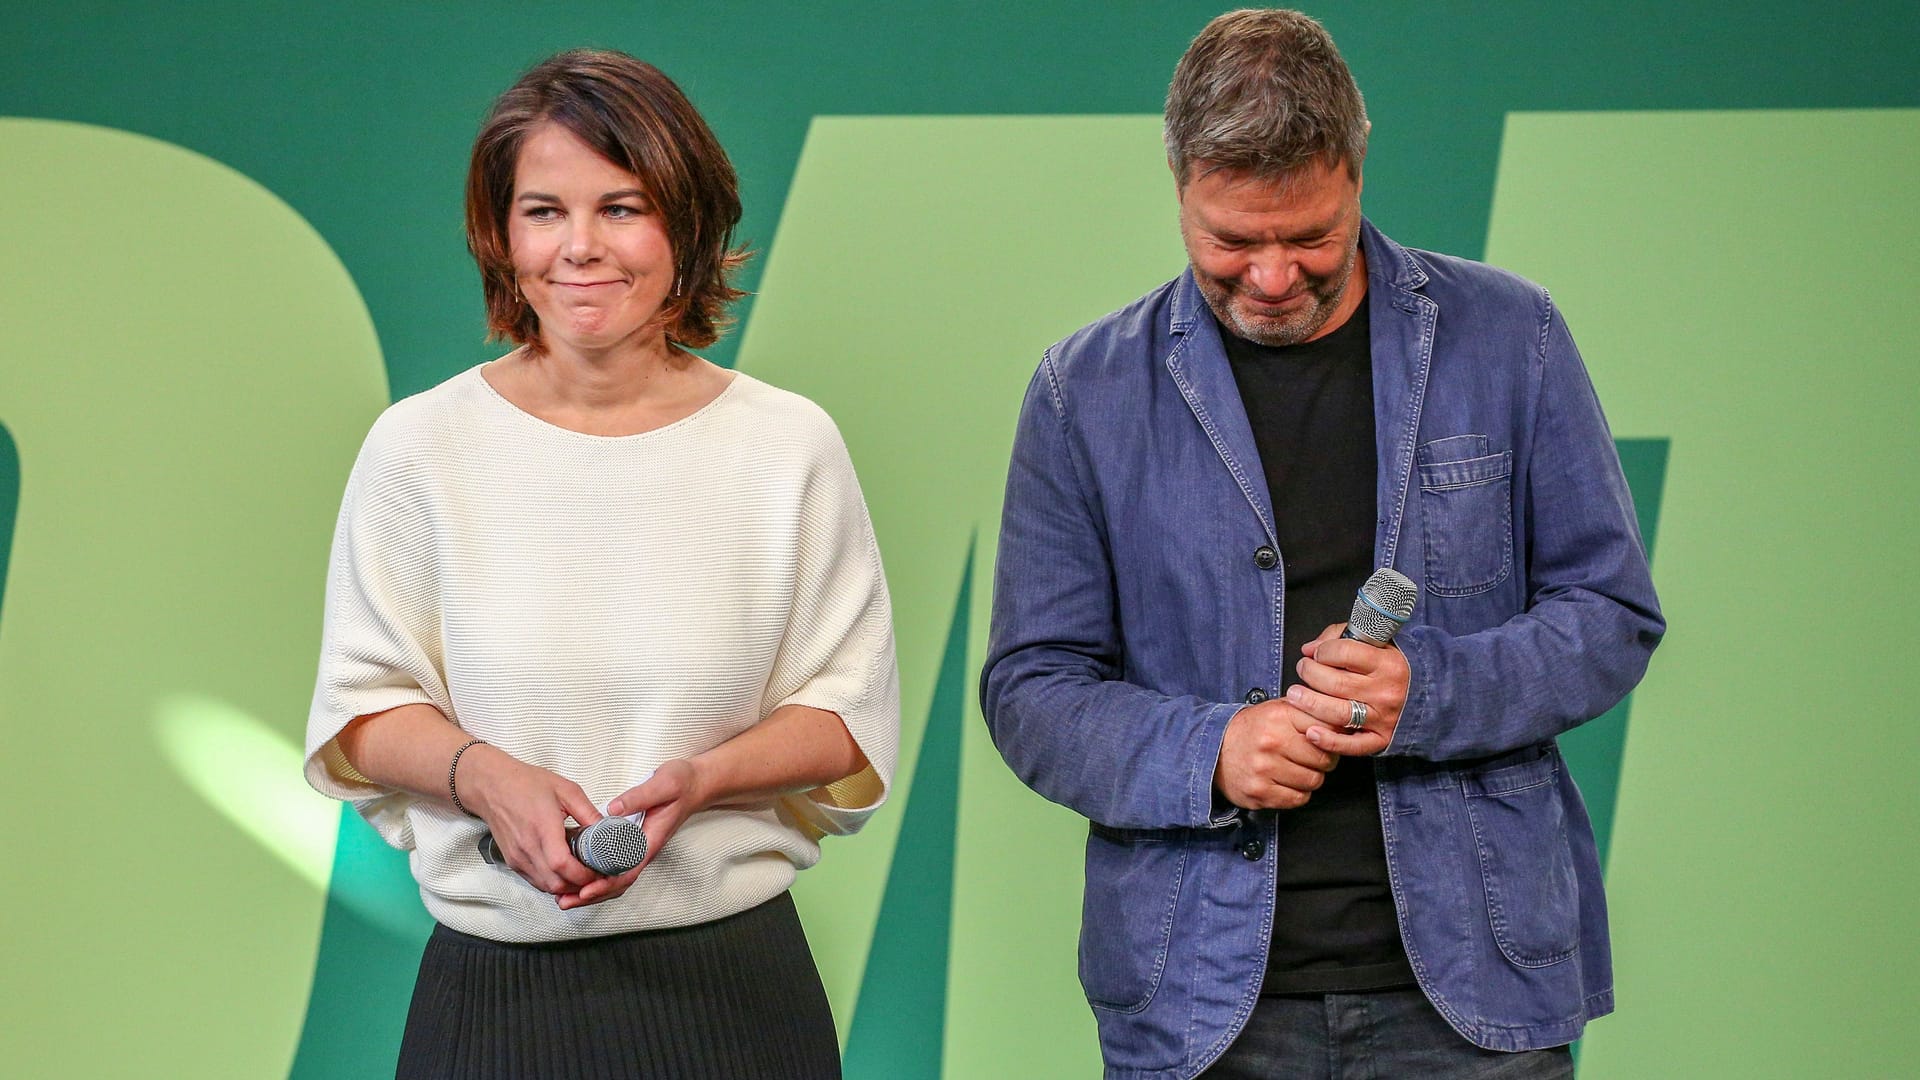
column 490, row 848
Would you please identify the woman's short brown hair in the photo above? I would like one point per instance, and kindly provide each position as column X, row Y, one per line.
column 629, row 112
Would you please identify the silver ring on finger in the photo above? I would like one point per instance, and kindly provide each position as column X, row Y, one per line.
column 1358, row 718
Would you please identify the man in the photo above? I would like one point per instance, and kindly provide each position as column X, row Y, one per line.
column 1308, row 851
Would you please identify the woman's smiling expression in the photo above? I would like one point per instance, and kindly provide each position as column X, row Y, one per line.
column 589, row 251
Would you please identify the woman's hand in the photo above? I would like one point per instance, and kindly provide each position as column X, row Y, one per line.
column 597, row 890
column 670, row 796
column 526, row 808
column 795, row 749
column 667, row 797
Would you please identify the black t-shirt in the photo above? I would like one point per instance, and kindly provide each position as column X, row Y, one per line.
column 1311, row 409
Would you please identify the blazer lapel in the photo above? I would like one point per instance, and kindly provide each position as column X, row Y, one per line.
column 1198, row 363
column 1403, row 322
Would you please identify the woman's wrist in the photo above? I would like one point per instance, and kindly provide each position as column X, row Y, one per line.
column 704, row 776
column 453, row 777
column 479, row 769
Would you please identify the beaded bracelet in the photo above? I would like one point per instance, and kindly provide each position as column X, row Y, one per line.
column 452, row 792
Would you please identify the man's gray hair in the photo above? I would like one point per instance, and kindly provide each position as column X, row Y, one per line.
column 1263, row 91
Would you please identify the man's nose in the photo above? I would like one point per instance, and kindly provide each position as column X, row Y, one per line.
column 1271, row 275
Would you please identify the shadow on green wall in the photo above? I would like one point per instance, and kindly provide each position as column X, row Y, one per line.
column 899, row 1024
column 9, row 502
column 363, row 976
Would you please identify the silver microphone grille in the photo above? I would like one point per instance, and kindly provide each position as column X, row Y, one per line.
column 611, row 845
column 1385, row 601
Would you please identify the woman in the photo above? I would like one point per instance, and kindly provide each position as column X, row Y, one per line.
column 601, row 571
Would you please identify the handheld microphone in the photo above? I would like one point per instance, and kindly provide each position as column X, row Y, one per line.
column 1381, row 607
column 612, row 845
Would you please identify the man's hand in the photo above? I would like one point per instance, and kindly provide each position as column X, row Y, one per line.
column 1337, row 671
column 1266, row 761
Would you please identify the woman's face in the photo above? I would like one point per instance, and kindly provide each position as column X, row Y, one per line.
column 589, row 250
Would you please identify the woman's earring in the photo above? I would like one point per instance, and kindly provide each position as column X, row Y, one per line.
column 676, row 284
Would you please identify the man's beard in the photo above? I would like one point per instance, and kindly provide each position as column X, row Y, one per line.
column 1281, row 330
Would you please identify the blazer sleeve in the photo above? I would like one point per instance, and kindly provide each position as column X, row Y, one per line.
column 1591, row 621
column 1051, row 690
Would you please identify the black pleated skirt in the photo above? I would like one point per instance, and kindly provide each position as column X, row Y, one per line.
column 735, row 998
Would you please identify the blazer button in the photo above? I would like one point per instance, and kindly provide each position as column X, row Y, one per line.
column 1265, row 557
column 1256, row 695
column 1252, row 848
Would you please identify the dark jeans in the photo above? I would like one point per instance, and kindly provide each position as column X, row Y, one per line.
column 1383, row 1035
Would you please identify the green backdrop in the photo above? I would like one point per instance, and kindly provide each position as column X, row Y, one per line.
column 232, row 235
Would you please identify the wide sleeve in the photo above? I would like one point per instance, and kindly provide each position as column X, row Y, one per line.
column 380, row 641
column 1061, row 715
column 1592, row 619
column 837, row 653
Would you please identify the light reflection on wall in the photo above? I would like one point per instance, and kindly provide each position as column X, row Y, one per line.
column 252, row 776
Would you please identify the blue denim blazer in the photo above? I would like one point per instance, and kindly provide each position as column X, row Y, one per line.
column 1130, row 621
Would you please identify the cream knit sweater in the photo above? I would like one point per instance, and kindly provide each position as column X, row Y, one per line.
column 597, row 606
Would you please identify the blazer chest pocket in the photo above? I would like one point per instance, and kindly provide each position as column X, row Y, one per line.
column 1466, row 513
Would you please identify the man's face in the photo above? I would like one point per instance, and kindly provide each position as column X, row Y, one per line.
column 1275, row 258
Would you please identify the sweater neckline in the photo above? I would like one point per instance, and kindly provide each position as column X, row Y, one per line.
column 487, row 390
